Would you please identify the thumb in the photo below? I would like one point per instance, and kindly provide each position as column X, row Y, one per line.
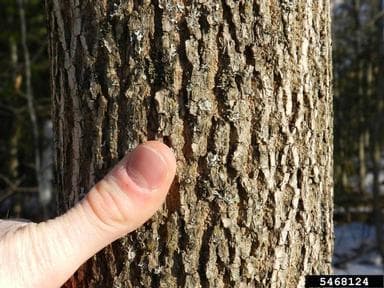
column 48, row 253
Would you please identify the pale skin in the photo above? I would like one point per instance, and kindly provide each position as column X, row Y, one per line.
column 45, row 255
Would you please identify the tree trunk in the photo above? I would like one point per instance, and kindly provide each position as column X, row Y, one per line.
column 241, row 92
column 362, row 163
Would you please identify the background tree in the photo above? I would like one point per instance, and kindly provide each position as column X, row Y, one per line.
column 377, row 135
column 24, row 111
column 241, row 92
column 358, row 66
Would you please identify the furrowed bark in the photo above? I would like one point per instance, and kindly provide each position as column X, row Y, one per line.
column 241, row 91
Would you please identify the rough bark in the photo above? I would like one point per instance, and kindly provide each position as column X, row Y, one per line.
column 241, row 91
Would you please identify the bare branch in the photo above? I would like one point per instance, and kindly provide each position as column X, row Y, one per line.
column 29, row 92
column 13, row 187
column 18, row 190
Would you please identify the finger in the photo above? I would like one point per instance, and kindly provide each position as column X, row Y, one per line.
column 127, row 197
column 7, row 226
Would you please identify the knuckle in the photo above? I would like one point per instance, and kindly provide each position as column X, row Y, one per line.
column 108, row 204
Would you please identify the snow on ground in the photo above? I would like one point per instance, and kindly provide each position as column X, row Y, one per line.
column 355, row 250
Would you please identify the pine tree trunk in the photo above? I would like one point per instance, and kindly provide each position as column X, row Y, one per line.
column 241, row 91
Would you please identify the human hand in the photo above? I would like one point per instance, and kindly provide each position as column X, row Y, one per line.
column 46, row 254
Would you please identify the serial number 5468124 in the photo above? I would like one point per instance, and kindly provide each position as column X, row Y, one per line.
column 350, row 281
column 343, row 281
